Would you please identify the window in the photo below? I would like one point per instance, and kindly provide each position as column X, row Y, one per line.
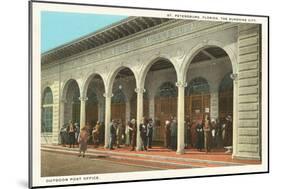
column 167, row 89
column 118, row 97
column 198, row 86
column 47, row 111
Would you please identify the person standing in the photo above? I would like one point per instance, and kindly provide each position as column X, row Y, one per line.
column 143, row 133
column 71, row 135
column 112, row 127
column 213, row 127
column 167, row 137
column 89, row 130
column 83, row 141
column 149, row 133
column 77, row 131
column 119, row 132
column 134, row 134
column 64, row 135
column 228, row 131
column 188, row 133
column 128, row 132
column 218, row 135
column 199, row 136
column 174, row 132
column 207, row 134
column 96, row 134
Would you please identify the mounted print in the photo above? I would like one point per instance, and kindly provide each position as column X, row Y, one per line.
column 122, row 94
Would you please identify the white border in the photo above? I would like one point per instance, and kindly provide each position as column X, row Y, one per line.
column 36, row 93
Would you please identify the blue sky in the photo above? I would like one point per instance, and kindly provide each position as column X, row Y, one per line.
column 58, row 28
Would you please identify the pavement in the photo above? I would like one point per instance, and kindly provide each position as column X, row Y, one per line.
column 58, row 164
column 157, row 158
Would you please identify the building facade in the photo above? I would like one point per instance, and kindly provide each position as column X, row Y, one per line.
column 157, row 68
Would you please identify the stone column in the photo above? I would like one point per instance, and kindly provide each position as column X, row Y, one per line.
column 83, row 111
column 107, row 118
column 235, row 116
column 180, row 121
column 139, row 92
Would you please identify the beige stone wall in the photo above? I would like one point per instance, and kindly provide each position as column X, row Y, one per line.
column 52, row 81
column 248, row 140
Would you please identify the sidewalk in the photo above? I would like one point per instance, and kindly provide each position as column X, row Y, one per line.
column 157, row 157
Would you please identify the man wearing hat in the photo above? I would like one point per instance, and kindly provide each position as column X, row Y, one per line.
column 149, row 132
column 228, row 131
column 134, row 134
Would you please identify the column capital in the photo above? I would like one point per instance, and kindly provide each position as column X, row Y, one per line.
column 83, row 98
column 181, row 84
column 108, row 95
column 139, row 90
column 234, row 76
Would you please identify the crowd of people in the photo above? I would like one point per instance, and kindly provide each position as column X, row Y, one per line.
column 69, row 133
column 202, row 134
column 209, row 134
column 127, row 134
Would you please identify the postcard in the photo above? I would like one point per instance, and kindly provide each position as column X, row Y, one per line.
column 123, row 94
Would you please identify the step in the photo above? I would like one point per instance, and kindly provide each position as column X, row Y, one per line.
column 153, row 157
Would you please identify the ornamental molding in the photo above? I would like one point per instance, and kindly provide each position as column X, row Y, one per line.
column 181, row 84
column 138, row 42
column 140, row 90
column 83, row 98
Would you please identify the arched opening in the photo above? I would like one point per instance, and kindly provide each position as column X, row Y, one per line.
column 207, row 93
column 95, row 106
column 47, row 111
column 72, row 105
column 162, row 96
column 123, row 88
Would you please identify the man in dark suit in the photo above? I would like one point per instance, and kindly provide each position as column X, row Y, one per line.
column 143, row 133
column 174, row 132
column 149, row 133
column 133, row 127
column 200, row 136
column 112, row 127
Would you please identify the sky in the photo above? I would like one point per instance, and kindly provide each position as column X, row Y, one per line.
column 58, row 28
